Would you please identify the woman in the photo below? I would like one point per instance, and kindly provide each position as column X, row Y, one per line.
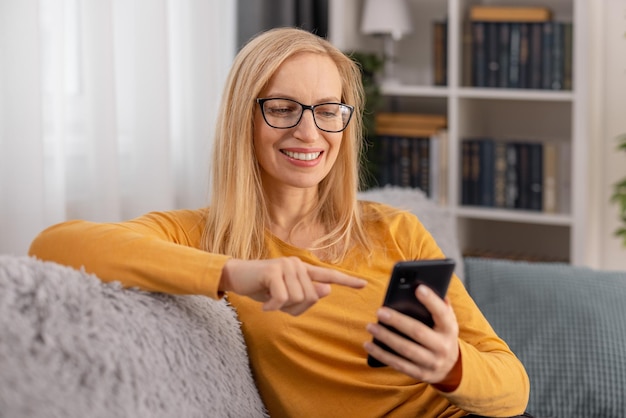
column 303, row 262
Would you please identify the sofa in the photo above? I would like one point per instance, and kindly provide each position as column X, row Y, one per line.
column 73, row 346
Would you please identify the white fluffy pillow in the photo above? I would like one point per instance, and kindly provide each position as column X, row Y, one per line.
column 436, row 219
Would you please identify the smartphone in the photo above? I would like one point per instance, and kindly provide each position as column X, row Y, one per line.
column 400, row 296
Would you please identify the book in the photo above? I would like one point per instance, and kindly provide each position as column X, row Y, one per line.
column 524, row 55
column 549, row 177
column 535, row 58
column 492, row 54
column 474, row 182
column 479, row 55
column 425, row 168
column 487, row 13
column 557, row 57
column 512, row 192
column 440, row 53
column 535, row 174
column 467, row 54
column 503, row 53
column 499, row 175
column 418, row 120
column 465, row 172
column 514, row 55
column 564, row 177
column 439, row 167
column 546, row 55
column 523, row 176
column 568, row 52
column 486, row 172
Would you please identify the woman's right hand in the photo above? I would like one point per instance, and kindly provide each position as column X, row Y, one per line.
column 287, row 283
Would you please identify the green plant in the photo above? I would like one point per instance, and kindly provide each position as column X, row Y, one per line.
column 371, row 64
column 619, row 195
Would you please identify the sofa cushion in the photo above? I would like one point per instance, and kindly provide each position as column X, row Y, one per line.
column 72, row 346
column 566, row 324
column 437, row 220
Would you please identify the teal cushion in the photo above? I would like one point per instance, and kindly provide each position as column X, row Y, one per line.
column 568, row 327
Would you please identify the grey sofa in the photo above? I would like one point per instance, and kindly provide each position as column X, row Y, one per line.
column 72, row 346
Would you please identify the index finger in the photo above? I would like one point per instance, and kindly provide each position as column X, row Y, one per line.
column 325, row 275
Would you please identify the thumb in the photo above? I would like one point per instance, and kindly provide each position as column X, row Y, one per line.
column 322, row 289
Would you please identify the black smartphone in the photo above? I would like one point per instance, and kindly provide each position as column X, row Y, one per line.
column 400, row 296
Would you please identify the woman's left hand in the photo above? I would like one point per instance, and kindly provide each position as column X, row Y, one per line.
column 433, row 354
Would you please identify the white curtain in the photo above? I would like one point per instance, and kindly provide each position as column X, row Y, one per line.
column 107, row 108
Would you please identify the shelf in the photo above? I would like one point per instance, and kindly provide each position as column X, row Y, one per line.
column 399, row 89
column 556, row 117
column 515, row 94
column 407, row 90
column 521, row 216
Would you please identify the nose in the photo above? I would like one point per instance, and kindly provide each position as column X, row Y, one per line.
column 306, row 130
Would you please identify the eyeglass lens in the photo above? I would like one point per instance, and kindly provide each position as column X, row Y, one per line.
column 286, row 113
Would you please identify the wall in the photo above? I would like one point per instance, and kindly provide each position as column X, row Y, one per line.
column 608, row 120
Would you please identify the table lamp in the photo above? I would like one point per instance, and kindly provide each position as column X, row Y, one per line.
column 390, row 19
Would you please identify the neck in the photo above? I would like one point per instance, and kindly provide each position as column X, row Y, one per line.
column 290, row 217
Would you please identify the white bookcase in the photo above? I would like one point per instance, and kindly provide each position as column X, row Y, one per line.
column 495, row 112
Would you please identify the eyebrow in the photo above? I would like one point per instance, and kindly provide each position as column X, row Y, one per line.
column 329, row 99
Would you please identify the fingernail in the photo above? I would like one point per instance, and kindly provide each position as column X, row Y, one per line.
column 423, row 289
column 383, row 314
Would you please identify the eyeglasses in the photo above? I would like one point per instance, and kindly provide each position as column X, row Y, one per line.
column 286, row 113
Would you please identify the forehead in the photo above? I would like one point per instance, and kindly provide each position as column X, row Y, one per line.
column 306, row 76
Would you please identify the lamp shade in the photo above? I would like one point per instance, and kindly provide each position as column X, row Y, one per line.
column 386, row 17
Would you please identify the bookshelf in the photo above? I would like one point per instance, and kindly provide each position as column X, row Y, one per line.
column 505, row 114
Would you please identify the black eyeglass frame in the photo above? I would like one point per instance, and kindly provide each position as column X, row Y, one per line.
column 303, row 107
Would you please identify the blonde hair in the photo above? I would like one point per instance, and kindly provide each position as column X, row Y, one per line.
column 237, row 219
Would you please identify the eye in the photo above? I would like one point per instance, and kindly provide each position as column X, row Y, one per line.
column 327, row 111
column 281, row 108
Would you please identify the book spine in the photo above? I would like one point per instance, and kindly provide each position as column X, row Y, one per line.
column 546, row 56
column 523, row 176
column 514, row 55
column 424, row 145
column 524, row 55
column 492, row 56
column 535, row 55
column 512, row 192
column 440, row 53
column 486, row 173
column 499, row 176
column 479, row 55
column 475, row 172
column 434, row 167
column 568, row 45
column 415, row 163
column 549, row 177
column 535, row 172
column 467, row 74
column 466, row 168
column 503, row 54
column 557, row 57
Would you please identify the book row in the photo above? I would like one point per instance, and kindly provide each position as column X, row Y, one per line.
column 525, row 55
column 417, row 162
column 516, row 175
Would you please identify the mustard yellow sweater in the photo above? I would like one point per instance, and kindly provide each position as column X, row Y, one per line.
column 311, row 365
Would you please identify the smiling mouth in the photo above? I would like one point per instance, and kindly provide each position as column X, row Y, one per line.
column 302, row 156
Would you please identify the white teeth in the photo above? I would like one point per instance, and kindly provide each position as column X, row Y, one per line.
column 304, row 156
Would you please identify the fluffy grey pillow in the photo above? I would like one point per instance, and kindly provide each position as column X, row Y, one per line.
column 566, row 324
column 436, row 219
column 72, row 346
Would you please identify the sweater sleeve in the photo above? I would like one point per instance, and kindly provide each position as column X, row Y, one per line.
column 159, row 252
column 494, row 382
